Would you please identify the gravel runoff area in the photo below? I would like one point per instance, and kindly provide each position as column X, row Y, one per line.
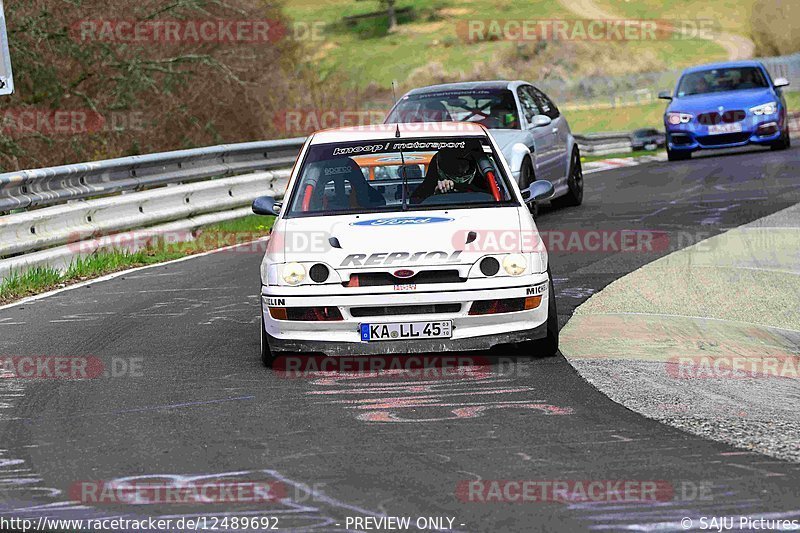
column 706, row 339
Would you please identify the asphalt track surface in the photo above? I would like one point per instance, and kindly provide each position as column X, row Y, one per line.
column 204, row 405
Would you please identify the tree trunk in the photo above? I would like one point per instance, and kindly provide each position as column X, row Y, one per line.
column 392, row 15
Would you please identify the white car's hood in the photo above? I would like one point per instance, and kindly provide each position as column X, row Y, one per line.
column 392, row 240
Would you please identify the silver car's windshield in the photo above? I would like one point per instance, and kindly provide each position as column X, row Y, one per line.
column 493, row 108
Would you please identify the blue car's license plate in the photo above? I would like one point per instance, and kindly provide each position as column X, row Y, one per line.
column 441, row 329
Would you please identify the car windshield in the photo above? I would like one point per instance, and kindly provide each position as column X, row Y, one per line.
column 398, row 174
column 721, row 79
column 493, row 108
column 644, row 133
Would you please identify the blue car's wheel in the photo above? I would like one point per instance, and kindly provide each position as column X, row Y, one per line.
column 672, row 155
column 784, row 142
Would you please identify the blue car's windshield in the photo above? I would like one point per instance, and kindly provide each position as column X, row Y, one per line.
column 721, row 79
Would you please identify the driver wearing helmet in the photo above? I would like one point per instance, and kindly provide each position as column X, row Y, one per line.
column 451, row 170
column 458, row 172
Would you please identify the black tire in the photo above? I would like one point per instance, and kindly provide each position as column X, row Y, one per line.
column 267, row 357
column 678, row 156
column 548, row 346
column 574, row 196
column 784, row 142
column 526, row 177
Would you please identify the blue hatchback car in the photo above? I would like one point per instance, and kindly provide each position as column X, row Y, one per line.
column 724, row 105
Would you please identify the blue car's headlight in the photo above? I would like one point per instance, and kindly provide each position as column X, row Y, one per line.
column 679, row 118
column 765, row 109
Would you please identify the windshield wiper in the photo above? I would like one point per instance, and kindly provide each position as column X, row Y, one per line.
column 404, row 171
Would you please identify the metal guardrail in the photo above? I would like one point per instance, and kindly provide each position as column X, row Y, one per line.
column 38, row 229
column 604, row 143
column 48, row 186
column 55, row 236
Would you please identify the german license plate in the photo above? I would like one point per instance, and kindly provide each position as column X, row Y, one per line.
column 442, row 329
column 716, row 129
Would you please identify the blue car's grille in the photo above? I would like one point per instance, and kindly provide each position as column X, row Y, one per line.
column 725, row 138
column 735, row 115
column 680, row 138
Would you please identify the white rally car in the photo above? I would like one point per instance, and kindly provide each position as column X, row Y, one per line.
column 404, row 238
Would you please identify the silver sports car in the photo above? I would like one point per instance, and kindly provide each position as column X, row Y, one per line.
column 533, row 134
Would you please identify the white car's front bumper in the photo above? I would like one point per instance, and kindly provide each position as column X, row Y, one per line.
column 470, row 332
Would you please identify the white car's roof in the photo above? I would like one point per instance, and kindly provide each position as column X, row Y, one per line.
column 407, row 131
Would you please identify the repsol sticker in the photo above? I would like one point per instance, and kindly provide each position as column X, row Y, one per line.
column 403, row 258
column 401, row 221
column 536, row 290
column 276, row 302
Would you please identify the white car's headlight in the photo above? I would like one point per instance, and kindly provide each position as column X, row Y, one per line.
column 515, row 264
column 293, row 273
column 679, row 118
column 765, row 109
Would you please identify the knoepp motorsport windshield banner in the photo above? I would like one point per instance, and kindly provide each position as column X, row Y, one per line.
column 324, row 152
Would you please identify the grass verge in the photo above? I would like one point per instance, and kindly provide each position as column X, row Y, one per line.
column 41, row 279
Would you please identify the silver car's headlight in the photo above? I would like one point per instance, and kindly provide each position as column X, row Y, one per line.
column 293, row 273
column 765, row 109
column 515, row 264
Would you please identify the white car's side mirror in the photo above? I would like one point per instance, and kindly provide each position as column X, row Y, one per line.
column 266, row 205
column 780, row 82
column 540, row 120
column 539, row 190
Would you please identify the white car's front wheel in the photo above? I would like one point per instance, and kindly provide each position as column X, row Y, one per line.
column 548, row 346
column 266, row 354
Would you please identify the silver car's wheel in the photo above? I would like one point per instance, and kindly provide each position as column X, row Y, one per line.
column 574, row 196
